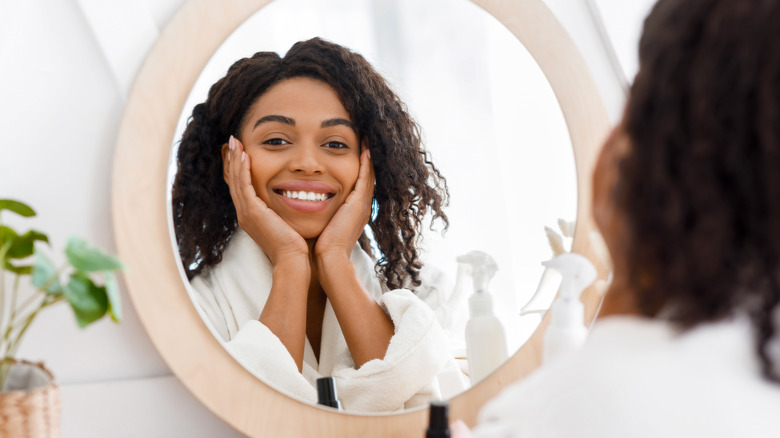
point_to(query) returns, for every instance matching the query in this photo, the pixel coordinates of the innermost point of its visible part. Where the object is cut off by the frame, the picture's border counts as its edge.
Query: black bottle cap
(326, 392)
(439, 423)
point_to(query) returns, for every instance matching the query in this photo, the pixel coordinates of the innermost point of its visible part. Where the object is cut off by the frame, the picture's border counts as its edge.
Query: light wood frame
(144, 243)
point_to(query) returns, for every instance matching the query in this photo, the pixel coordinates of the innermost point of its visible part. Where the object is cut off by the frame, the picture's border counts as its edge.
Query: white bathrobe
(232, 294)
(637, 377)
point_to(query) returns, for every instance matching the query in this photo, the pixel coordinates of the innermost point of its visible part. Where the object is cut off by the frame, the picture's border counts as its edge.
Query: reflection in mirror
(492, 127)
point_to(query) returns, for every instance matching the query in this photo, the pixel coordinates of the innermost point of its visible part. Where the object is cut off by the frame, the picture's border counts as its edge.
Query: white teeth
(305, 196)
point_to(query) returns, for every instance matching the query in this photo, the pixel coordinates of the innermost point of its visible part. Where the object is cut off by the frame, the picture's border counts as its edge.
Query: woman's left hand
(366, 328)
(344, 229)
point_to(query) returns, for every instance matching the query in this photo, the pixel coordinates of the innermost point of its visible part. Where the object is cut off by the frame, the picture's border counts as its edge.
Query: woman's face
(605, 179)
(611, 221)
(304, 152)
(606, 176)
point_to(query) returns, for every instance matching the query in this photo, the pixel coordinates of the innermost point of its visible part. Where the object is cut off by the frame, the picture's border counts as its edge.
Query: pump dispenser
(485, 337)
(567, 331)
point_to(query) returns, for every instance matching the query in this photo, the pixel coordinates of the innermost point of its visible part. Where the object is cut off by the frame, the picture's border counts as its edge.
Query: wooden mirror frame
(139, 206)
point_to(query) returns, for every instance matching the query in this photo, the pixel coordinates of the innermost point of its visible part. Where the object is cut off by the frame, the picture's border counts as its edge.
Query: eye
(335, 145)
(276, 142)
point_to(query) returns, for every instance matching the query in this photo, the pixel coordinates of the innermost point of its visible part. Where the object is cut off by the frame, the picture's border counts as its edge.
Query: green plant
(74, 281)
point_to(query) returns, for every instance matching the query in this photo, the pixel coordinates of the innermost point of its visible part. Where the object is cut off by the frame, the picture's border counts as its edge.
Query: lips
(305, 196)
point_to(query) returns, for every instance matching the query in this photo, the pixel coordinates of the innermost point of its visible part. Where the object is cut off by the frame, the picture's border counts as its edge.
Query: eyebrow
(274, 118)
(289, 121)
(338, 121)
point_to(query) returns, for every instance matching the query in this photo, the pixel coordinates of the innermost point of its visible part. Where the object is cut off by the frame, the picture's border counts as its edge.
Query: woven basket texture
(31, 413)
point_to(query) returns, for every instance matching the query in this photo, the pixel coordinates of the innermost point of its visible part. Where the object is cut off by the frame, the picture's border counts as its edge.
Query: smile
(305, 196)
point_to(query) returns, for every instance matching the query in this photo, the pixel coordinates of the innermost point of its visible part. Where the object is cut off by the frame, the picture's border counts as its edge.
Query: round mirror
(490, 121)
(144, 241)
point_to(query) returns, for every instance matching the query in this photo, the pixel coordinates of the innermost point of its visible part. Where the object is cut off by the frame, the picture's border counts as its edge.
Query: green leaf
(17, 207)
(114, 301)
(20, 246)
(85, 257)
(89, 302)
(19, 270)
(44, 275)
(7, 237)
(24, 245)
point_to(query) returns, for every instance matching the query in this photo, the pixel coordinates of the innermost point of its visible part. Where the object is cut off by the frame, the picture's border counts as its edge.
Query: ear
(225, 168)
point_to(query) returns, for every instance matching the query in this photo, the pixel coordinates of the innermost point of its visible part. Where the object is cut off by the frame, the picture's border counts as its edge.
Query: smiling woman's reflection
(280, 169)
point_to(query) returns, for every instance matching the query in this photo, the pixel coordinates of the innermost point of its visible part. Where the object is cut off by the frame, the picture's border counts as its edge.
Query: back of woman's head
(700, 186)
(408, 185)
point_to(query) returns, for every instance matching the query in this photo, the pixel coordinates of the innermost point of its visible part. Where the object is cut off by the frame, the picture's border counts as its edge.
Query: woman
(687, 196)
(280, 169)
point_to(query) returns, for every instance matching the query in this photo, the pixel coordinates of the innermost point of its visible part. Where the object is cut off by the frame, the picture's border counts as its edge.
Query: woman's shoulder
(240, 253)
(635, 371)
(235, 290)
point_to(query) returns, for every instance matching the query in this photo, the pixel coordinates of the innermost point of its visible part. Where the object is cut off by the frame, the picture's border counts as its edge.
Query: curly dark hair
(408, 185)
(700, 185)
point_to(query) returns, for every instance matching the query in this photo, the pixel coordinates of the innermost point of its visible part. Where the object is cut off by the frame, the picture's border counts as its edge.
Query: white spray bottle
(567, 331)
(455, 319)
(485, 337)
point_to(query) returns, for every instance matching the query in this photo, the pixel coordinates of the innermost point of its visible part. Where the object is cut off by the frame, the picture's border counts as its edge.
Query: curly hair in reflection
(408, 185)
(700, 186)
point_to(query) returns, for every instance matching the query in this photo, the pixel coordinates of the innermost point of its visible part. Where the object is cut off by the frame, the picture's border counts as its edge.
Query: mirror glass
(488, 117)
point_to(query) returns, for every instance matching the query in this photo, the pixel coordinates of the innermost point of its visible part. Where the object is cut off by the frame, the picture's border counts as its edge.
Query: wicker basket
(30, 402)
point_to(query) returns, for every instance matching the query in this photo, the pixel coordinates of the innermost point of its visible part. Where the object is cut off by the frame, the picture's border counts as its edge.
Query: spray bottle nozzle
(483, 267)
(577, 273)
(567, 331)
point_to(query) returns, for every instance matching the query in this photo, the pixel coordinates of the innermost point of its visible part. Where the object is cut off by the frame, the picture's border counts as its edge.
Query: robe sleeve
(263, 353)
(252, 344)
(406, 376)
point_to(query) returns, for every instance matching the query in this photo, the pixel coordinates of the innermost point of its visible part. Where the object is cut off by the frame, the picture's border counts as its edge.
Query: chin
(308, 231)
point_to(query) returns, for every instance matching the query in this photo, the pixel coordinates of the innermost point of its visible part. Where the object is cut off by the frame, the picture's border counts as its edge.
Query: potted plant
(29, 395)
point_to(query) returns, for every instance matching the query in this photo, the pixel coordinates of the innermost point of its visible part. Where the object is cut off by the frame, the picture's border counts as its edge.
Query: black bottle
(326, 392)
(439, 423)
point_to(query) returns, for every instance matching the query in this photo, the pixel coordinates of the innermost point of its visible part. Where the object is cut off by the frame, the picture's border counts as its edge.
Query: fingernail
(243, 156)
(369, 154)
(232, 143)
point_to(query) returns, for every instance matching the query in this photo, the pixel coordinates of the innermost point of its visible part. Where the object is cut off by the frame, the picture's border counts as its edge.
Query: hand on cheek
(367, 329)
(345, 227)
(276, 238)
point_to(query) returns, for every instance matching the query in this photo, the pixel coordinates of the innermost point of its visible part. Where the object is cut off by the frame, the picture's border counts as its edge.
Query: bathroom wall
(67, 67)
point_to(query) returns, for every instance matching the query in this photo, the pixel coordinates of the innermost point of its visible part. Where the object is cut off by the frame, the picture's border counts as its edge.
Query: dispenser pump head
(483, 268)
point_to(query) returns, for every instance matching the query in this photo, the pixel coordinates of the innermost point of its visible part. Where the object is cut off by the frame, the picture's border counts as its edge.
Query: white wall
(60, 108)
(66, 67)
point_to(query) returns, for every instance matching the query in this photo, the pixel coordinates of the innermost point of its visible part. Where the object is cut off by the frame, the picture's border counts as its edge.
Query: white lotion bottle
(567, 332)
(485, 338)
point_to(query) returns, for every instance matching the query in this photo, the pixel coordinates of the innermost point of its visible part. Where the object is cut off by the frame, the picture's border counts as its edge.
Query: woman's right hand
(274, 236)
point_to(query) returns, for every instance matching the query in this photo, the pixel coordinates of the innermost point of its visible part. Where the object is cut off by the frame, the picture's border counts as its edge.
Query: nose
(305, 159)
